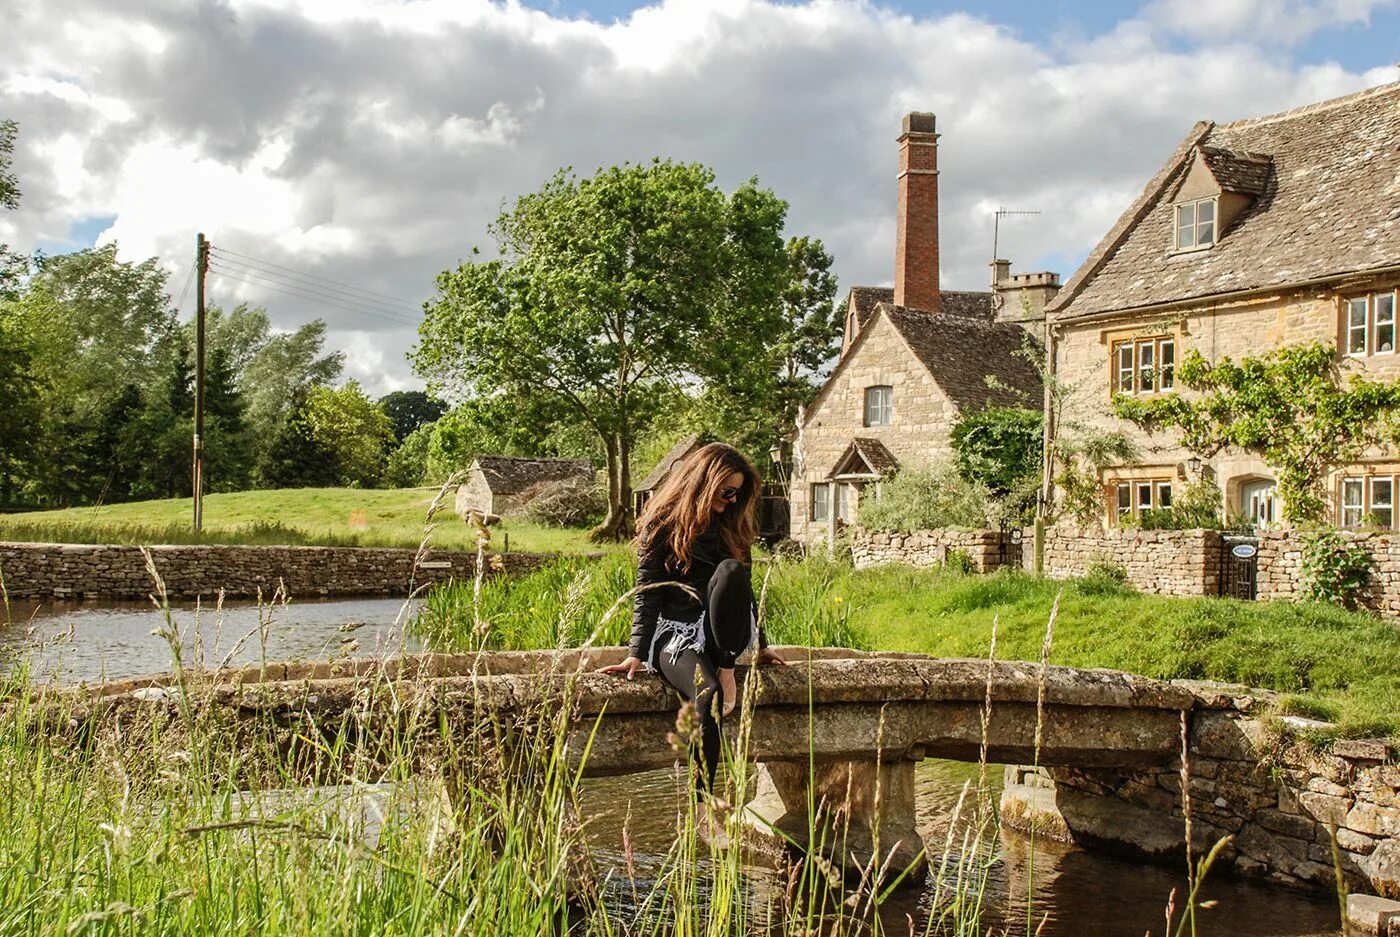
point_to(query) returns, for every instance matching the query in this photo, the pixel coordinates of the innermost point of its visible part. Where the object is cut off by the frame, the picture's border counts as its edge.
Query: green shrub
(999, 448)
(958, 561)
(1103, 578)
(926, 499)
(407, 465)
(1333, 569)
(1198, 505)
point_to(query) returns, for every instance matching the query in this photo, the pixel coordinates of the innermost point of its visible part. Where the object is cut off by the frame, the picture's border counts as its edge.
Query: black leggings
(728, 607)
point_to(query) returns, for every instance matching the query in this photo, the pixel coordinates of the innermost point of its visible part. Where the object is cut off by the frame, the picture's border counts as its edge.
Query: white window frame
(821, 502)
(1378, 324)
(1144, 356)
(1125, 375)
(1132, 490)
(1388, 505)
(1194, 227)
(1352, 510)
(843, 506)
(879, 405)
(1364, 327)
(1369, 328)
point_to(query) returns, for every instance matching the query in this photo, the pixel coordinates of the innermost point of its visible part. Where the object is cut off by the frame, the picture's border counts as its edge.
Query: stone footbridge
(850, 725)
(838, 727)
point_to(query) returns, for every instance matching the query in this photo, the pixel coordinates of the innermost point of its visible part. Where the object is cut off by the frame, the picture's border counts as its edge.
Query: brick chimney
(916, 239)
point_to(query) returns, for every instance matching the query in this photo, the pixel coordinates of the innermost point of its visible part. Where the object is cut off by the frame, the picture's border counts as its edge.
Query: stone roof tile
(511, 474)
(1332, 208)
(960, 352)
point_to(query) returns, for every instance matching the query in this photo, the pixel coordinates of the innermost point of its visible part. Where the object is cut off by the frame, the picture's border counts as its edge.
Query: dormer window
(1195, 224)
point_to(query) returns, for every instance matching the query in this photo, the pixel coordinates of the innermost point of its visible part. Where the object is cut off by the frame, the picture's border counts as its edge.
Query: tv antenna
(996, 226)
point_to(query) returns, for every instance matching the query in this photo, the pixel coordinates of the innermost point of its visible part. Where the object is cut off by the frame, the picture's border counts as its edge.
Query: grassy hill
(329, 516)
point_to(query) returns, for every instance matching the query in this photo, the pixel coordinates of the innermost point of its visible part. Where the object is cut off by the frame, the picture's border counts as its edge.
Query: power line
(185, 290)
(325, 299)
(267, 278)
(325, 282)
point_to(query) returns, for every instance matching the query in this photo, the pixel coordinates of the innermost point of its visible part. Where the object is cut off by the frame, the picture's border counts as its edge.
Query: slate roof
(510, 475)
(954, 302)
(959, 352)
(1330, 207)
(663, 468)
(1237, 171)
(866, 298)
(879, 458)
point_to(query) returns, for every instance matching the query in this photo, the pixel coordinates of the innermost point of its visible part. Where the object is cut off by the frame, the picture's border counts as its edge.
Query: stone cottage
(683, 447)
(500, 484)
(1255, 234)
(913, 357)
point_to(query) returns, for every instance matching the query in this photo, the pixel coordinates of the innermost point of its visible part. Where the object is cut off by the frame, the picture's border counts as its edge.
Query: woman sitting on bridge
(698, 530)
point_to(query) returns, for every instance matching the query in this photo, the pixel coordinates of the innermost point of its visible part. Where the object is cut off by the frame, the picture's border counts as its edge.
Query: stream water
(1085, 895)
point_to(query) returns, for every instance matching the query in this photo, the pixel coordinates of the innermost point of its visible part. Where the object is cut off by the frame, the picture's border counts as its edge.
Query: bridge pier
(858, 815)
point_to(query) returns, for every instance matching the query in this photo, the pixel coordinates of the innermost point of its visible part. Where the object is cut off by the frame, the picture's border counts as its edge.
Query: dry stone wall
(987, 550)
(1279, 802)
(1281, 560)
(1163, 562)
(79, 571)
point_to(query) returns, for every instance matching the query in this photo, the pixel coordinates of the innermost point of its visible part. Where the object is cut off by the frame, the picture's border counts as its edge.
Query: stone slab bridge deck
(848, 725)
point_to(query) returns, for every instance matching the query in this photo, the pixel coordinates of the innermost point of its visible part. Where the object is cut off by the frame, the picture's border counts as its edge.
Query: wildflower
(837, 599)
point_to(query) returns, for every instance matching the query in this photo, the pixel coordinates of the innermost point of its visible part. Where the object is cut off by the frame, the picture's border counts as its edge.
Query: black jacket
(655, 564)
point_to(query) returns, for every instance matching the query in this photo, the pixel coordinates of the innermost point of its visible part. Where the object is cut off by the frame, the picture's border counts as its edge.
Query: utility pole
(202, 269)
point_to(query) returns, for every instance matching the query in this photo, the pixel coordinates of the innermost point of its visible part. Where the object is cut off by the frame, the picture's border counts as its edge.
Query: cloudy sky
(343, 152)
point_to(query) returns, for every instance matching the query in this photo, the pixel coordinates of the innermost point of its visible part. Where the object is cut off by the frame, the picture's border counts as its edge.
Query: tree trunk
(618, 525)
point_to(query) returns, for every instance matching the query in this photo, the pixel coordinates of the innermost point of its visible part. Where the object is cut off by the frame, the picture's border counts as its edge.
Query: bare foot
(729, 688)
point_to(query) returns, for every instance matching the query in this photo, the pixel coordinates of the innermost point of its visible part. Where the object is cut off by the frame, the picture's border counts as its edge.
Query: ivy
(1288, 406)
(1333, 570)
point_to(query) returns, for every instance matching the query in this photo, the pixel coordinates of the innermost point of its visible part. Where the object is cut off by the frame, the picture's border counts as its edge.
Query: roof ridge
(1390, 87)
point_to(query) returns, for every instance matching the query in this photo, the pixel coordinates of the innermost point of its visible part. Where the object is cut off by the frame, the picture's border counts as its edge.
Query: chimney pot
(919, 122)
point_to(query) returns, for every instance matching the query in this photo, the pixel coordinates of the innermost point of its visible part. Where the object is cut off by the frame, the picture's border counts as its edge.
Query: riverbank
(352, 517)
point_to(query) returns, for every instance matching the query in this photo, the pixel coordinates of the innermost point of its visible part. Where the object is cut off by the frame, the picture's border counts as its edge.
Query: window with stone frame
(1145, 365)
(1195, 224)
(1368, 500)
(1129, 498)
(821, 502)
(1368, 324)
(879, 405)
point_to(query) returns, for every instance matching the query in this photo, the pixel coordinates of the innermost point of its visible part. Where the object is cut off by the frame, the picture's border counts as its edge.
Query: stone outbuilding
(684, 447)
(1253, 235)
(501, 484)
(914, 357)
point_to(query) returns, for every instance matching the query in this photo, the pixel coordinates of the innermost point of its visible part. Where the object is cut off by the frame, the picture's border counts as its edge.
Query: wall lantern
(775, 452)
(1193, 466)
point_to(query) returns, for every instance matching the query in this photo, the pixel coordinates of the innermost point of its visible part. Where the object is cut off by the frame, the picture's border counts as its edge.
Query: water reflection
(74, 641)
(1083, 895)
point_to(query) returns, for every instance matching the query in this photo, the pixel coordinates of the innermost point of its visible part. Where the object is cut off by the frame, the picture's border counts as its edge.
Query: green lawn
(1338, 665)
(393, 517)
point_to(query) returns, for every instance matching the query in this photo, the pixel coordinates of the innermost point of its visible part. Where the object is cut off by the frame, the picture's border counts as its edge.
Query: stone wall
(1278, 800)
(78, 571)
(987, 549)
(1164, 562)
(1281, 559)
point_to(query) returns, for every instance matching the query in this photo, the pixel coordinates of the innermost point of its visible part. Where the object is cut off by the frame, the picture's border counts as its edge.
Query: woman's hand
(631, 666)
(768, 656)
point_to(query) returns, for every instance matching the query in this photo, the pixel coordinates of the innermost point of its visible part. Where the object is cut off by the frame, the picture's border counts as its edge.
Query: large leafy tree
(1289, 405)
(407, 410)
(353, 428)
(12, 265)
(608, 290)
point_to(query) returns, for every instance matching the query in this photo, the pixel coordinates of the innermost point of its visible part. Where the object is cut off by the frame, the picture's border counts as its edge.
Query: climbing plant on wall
(1290, 406)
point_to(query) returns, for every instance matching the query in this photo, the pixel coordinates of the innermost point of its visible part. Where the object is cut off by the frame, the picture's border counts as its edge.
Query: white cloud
(370, 142)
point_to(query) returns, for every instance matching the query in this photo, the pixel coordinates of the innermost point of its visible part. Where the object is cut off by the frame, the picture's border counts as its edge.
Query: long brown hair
(684, 504)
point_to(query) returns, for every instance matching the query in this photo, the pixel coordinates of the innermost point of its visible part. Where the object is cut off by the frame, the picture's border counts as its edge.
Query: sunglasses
(729, 493)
